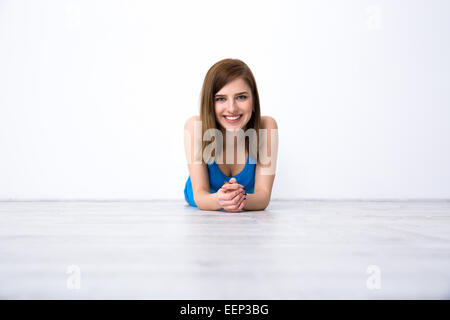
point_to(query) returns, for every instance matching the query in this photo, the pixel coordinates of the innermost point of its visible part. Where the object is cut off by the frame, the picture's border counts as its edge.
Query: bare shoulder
(189, 124)
(268, 122)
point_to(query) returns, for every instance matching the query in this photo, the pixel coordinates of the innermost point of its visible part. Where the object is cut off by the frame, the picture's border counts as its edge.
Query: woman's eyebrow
(222, 95)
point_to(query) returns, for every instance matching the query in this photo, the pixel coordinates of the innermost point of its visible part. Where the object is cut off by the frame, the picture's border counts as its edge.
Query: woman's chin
(233, 128)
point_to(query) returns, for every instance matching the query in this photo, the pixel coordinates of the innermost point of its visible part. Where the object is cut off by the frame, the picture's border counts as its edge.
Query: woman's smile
(233, 119)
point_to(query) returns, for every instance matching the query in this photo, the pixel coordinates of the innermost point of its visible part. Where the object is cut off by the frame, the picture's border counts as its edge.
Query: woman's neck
(236, 149)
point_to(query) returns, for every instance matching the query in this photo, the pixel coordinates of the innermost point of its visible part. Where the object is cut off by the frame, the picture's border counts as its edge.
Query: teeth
(232, 118)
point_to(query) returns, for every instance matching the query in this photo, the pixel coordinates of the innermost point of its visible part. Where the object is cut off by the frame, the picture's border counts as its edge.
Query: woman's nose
(232, 106)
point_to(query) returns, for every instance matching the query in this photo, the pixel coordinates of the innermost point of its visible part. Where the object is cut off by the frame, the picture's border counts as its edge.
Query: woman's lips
(233, 121)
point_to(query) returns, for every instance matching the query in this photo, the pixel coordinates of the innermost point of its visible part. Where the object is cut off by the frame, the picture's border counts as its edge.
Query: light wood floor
(167, 250)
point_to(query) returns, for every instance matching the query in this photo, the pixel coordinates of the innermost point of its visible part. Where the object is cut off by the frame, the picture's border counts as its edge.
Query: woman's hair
(216, 78)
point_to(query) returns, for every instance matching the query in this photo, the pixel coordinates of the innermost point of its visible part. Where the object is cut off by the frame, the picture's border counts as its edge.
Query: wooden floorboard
(168, 250)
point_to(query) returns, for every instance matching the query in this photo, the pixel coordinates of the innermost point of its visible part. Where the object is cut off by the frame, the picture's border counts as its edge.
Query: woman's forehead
(233, 87)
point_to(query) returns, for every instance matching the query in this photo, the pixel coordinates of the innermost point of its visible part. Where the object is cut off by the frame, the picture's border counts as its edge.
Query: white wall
(94, 94)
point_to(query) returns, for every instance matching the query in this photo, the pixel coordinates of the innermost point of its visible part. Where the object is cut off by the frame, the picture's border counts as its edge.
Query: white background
(94, 94)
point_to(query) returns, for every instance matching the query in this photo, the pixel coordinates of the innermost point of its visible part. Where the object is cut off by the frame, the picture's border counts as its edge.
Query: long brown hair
(218, 76)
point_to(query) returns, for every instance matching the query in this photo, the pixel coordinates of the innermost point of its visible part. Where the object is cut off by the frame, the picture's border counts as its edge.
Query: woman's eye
(223, 99)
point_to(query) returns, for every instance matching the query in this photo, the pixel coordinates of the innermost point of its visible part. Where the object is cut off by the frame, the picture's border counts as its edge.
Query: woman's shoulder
(191, 121)
(268, 122)
(193, 118)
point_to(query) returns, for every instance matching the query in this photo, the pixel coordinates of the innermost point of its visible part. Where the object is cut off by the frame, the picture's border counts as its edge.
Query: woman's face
(233, 105)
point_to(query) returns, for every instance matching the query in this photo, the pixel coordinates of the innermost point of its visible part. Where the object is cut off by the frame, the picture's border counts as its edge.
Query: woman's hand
(231, 196)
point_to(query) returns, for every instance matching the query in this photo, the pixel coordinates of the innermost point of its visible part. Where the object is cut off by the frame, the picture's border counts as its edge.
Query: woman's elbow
(202, 207)
(264, 206)
(265, 199)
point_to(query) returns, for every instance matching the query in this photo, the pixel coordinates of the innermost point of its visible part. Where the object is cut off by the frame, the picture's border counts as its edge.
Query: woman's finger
(231, 209)
(243, 203)
(234, 208)
(229, 195)
(231, 186)
(235, 201)
(225, 198)
(232, 193)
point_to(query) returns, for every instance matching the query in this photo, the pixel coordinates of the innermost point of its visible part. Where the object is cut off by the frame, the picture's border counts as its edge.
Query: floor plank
(168, 250)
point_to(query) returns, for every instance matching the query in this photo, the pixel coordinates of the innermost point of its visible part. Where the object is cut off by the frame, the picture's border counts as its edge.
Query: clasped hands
(231, 196)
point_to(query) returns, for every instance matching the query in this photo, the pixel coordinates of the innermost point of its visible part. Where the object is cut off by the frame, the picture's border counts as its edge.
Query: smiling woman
(230, 106)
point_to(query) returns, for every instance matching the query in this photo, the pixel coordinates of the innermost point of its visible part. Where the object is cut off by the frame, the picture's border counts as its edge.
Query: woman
(229, 107)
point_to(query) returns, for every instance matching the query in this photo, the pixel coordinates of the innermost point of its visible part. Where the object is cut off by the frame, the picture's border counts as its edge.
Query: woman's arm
(265, 170)
(204, 199)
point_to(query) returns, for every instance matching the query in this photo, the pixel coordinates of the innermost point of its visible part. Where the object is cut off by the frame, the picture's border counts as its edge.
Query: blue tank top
(217, 178)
